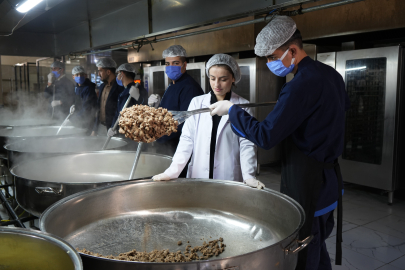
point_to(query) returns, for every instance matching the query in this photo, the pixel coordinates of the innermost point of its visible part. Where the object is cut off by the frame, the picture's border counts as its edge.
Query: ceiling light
(27, 5)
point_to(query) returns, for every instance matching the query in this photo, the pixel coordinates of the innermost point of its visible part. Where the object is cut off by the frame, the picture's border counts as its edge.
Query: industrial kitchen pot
(4, 123)
(9, 135)
(42, 182)
(259, 227)
(35, 250)
(28, 149)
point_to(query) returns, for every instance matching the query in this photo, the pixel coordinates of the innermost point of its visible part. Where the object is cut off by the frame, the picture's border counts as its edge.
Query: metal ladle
(72, 110)
(181, 116)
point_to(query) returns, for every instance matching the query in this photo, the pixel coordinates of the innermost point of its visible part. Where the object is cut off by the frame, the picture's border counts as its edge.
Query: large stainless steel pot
(26, 122)
(35, 250)
(28, 149)
(9, 135)
(42, 182)
(259, 227)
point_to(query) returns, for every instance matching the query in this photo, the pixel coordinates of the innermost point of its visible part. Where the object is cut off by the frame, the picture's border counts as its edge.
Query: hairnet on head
(277, 32)
(174, 51)
(57, 64)
(78, 69)
(106, 63)
(224, 59)
(126, 67)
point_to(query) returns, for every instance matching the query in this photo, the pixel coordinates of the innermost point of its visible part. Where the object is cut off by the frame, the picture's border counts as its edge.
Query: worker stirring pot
(308, 120)
(215, 151)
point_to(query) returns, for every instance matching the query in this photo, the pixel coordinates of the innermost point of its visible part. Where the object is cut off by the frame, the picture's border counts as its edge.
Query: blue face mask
(278, 68)
(174, 72)
(57, 75)
(80, 79)
(119, 81)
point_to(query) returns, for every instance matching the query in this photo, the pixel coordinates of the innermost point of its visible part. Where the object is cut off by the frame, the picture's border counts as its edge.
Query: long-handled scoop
(118, 119)
(181, 116)
(137, 155)
(72, 110)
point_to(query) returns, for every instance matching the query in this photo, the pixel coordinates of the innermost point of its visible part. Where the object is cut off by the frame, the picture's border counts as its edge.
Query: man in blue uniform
(60, 90)
(85, 100)
(139, 96)
(108, 97)
(180, 92)
(308, 121)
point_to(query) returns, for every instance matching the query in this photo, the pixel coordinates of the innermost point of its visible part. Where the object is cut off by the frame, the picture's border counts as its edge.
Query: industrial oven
(373, 153)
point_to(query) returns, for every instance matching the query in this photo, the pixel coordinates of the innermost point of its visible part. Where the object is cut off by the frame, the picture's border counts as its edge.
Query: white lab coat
(235, 157)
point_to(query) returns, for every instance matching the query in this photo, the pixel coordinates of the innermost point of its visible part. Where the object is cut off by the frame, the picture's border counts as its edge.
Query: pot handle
(301, 245)
(48, 190)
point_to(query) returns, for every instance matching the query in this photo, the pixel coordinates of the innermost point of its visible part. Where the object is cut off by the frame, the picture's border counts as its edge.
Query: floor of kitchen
(373, 231)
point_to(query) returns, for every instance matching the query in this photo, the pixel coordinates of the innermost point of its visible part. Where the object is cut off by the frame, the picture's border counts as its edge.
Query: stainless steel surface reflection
(43, 181)
(259, 227)
(28, 149)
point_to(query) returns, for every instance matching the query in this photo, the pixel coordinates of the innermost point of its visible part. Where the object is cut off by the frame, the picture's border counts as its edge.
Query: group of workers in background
(308, 121)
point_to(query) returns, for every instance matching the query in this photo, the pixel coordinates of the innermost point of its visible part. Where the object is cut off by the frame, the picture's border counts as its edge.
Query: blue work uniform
(65, 92)
(122, 98)
(177, 97)
(110, 106)
(308, 120)
(85, 105)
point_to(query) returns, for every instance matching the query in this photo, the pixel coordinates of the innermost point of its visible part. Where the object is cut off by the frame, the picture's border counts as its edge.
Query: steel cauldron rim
(51, 208)
(56, 240)
(7, 146)
(82, 153)
(82, 131)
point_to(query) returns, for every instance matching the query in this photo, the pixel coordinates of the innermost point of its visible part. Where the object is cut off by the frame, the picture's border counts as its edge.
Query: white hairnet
(173, 51)
(277, 32)
(57, 64)
(126, 67)
(78, 69)
(224, 59)
(106, 63)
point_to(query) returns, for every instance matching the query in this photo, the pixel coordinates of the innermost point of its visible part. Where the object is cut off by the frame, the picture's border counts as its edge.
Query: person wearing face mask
(85, 100)
(215, 151)
(139, 96)
(180, 92)
(308, 120)
(107, 101)
(59, 91)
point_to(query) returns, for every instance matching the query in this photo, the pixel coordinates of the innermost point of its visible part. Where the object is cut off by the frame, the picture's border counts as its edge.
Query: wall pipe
(266, 19)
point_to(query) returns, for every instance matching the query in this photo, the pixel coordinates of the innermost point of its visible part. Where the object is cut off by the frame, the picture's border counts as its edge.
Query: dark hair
(130, 75)
(295, 39)
(111, 69)
(226, 67)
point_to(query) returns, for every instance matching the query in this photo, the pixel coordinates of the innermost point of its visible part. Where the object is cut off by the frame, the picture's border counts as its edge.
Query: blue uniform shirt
(311, 108)
(85, 104)
(177, 97)
(122, 98)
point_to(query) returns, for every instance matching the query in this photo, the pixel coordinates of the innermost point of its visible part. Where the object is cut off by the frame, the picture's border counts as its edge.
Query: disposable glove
(154, 100)
(111, 132)
(254, 183)
(134, 92)
(72, 109)
(220, 108)
(161, 177)
(56, 103)
(51, 78)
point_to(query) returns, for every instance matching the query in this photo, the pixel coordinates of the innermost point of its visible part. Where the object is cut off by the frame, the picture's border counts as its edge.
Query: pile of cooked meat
(142, 123)
(204, 252)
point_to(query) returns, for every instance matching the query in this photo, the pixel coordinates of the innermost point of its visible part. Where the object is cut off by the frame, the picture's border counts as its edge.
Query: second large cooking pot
(28, 149)
(9, 135)
(42, 182)
(258, 227)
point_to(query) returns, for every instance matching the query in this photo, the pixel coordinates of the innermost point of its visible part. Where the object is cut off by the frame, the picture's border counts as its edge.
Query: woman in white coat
(215, 151)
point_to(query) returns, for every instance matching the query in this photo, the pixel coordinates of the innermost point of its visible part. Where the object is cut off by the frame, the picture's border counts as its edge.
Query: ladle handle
(137, 155)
